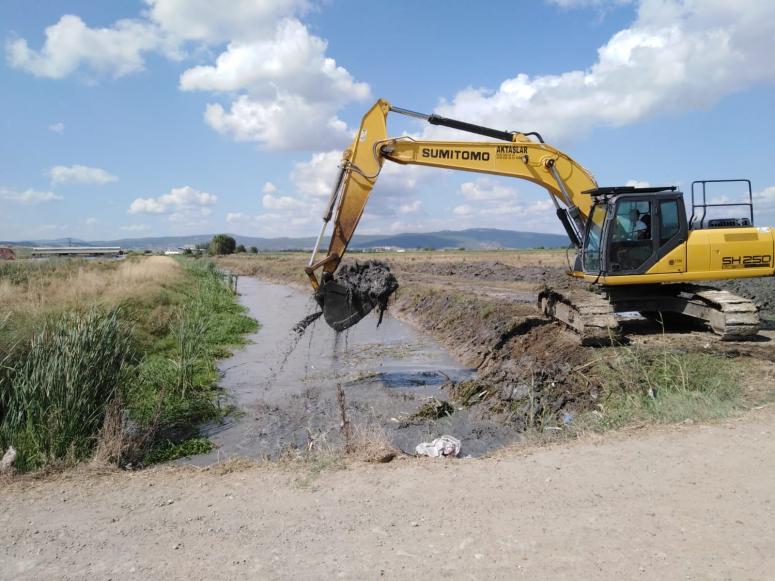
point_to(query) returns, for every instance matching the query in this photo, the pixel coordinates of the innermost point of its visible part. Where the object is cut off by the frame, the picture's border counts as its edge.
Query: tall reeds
(56, 389)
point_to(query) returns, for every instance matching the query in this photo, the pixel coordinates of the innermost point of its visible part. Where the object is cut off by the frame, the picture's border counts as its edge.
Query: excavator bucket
(355, 291)
(341, 309)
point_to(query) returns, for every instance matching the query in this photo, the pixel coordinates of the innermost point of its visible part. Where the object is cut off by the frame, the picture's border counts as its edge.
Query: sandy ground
(686, 502)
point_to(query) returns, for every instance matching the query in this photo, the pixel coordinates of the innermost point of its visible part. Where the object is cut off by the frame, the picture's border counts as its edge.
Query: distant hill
(471, 239)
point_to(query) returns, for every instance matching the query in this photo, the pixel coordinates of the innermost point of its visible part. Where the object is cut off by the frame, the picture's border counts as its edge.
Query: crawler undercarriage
(593, 314)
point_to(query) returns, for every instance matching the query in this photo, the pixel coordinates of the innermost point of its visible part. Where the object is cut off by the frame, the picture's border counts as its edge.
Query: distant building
(77, 251)
(384, 249)
(172, 252)
(7, 254)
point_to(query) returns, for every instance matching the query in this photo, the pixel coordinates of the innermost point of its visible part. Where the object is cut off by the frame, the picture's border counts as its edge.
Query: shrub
(54, 398)
(222, 244)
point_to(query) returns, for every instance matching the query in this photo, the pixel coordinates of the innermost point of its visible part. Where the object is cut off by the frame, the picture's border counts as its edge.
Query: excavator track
(589, 314)
(731, 317)
(593, 315)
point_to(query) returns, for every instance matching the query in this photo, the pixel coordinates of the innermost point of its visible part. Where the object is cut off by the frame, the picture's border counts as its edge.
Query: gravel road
(686, 502)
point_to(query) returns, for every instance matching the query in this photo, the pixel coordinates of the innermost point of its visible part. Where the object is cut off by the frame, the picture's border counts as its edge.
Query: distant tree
(241, 249)
(187, 251)
(222, 244)
(253, 250)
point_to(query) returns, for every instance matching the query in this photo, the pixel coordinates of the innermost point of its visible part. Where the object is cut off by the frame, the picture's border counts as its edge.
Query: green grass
(154, 353)
(665, 386)
(175, 388)
(54, 398)
(165, 451)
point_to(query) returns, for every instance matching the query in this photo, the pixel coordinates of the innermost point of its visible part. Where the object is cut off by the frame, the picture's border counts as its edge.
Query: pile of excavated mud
(760, 290)
(529, 369)
(489, 270)
(541, 374)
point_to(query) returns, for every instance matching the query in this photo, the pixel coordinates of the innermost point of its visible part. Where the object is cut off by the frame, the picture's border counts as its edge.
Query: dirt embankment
(530, 370)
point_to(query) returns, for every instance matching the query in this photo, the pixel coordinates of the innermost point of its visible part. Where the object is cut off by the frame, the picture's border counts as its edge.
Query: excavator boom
(538, 162)
(632, 241)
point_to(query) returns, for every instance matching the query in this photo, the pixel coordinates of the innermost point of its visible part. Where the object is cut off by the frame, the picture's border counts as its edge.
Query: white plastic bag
(444, 446)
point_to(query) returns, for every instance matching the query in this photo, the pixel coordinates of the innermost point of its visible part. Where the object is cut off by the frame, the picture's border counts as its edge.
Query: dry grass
(371, 443)
(76, 284)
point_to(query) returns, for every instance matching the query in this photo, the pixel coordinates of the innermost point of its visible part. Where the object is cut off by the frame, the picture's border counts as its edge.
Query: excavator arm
(514, 155)
(633, 269)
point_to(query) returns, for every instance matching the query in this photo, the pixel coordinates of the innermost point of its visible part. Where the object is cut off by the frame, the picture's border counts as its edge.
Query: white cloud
(289, 122)
(291, 90)
(412, 207)
(269, 188)
(464, 210)
(275, 223)
(91, 221)
(765, 198)
(395, 194)
(28, 197)
(637, 184)
(284, 90)
(236, 217)
(486, 189)
(80, 174)
(71, 45)
(212, 22)
(271, 202)
(495, 203)
(177, 201)
(292, 61)
(135, 228)
(120, 49)
(678, 55)
(58, 127)
(531, 216)
(316, 176)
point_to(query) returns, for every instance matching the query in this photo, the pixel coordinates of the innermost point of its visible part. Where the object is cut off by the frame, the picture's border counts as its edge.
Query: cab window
(668, 220)
(632, 222)
(631, 235)
(592, 243)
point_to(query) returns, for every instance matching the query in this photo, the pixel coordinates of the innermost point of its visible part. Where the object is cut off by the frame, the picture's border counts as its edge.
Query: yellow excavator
(636, 246)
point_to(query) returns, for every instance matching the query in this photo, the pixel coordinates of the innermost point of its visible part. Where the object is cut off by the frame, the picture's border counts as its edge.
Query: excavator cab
(630, 229)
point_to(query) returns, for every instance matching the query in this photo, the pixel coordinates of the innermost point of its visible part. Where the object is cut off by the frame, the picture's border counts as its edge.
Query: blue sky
(157, 117)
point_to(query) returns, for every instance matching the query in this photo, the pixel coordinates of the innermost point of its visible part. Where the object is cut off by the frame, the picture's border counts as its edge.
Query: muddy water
(287, 397)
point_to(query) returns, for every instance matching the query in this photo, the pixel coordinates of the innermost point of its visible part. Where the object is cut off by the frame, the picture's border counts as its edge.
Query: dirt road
(689, 502)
